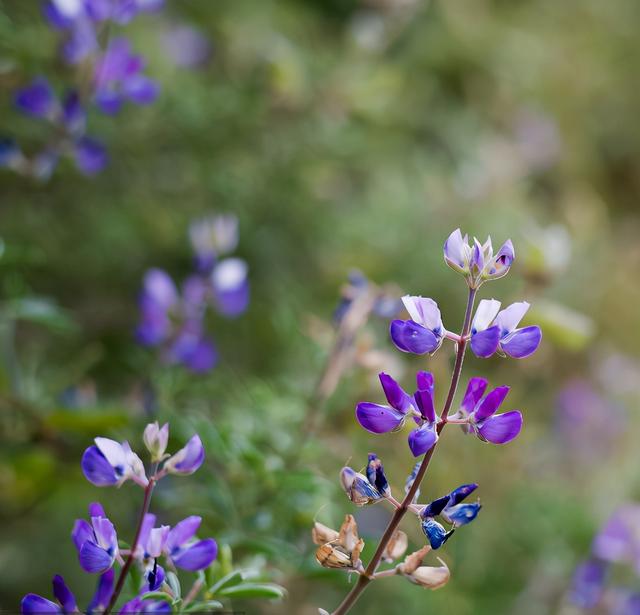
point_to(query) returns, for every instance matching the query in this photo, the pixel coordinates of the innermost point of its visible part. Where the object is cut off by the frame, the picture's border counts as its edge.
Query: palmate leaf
(254, 590)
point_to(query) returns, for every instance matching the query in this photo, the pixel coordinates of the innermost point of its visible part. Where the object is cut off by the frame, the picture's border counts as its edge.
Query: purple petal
(501, 428)
(155, 577)
(97, 469)
(461, 493)
(490, 403)
(522, 342)
(73, 114)
(108, 100)
(394, 393)
(588, 584)
(183, 532)
(197, 556)
(63, 595)
(140, 89)
(230, 286)
(485, 343)
(148, 522)
(155, 324)
(94, 558)
(378, 419)
(153, 607)
(104, 589)
(37, 99)
(202, 357)
(425, 381)
(159, 286)
(81, 532)
(424, 402)
(81, 43)
(90, 156)
(475, 391)
(32, 604)
(96, 510)
(105, 533)
(502, 261)
(409, 336)
(422, 439)
(188, 459)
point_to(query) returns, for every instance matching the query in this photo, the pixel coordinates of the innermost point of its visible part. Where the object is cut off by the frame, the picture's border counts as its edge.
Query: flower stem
(127, 565)
(368, 575)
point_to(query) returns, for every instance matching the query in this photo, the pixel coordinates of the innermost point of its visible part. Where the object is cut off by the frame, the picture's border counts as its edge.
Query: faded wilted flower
(396, 547)
(343, 552)
(429, 577)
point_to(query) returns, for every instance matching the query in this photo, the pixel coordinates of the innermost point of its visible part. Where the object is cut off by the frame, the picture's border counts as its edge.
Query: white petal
(229, 274)
(485, 313)
(113, 451)
(509, 318)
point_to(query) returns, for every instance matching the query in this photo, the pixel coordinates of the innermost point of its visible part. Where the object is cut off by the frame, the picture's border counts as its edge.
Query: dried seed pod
(344, 551)
(430, 577)
(321, 534)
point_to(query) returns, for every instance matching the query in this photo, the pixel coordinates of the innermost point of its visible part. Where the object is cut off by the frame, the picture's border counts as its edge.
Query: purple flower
(498, 429)
(158, 300)
(230, 285)
(382, 419)
(493, 331)
(424, 332)
(96, 542)
(188, 459)
(588, 584)
(187, 46)
(32, 604)
(212, 237)
(37, 99)
(619, 540)
(90, 156)
(118, 77)
(452, 510)
(477, 263)
(424, 438)
(110, 463)
(185, 551)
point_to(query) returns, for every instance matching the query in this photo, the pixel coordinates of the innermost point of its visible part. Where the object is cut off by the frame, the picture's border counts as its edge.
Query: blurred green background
(342, 133)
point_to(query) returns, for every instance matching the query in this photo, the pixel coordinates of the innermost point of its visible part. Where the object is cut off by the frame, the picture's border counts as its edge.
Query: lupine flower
(156, 439)
(449, 507)
(358, 487)
(493, 331)
(33, 604)
(344, 551)
(96, 542)
(212, 237)
(424, 438)
(37, 99)
(110, 463)
(481, 413)
(188, 459)
(422, 334)
(382, 419)
(619, 539)
(588, 584)
(187, 552)
(376, 475)
(429, 577)
(118, 77)
(139, 606)
(478, 263)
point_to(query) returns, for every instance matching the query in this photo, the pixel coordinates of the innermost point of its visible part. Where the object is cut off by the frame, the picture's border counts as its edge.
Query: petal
(424, 311)
(188, 459)
(90, 156)
(501, 263)
(461, 514)
(435, 508)
(63, 595)
(32, 604)
(37, 99)
(157, 540)
(183, 532)
(409, 336)
(202, 358)
(435, 532)
(490, 403)
(97, 469)
(159, 286)
(424, 402)
(485, 343)
(501, 428)
(108, 101)
(113, 451)
(378, 419)
(231, 286)
(462, 492)
(486, 312)
(376, 475)
(425, 381)
(94, 558)
(394, 393)
(475, 391)
(422, 439)
(155, 577)
(509, 318)
(477, 256)
(105, 533)
(522, 342)
(588, 584)
(81, 532)
(104, 590)
(454, 250)
(140, 89)
(96, 510)
(148, 522)
(197, 556)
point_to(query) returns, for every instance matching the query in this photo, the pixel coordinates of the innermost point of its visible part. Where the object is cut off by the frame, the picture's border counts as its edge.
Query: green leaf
(157, 596)
(41, 311)
(203, 606)
(233, 578)
(174, 583)
(254, 590)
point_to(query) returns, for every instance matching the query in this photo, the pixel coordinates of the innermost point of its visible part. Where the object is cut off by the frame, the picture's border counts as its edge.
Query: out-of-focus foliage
(343, 134)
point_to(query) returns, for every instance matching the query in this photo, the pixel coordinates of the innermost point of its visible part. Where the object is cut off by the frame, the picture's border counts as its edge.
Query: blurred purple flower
(187, 46)
(422, 334)
(37, 99)
(96, 542)
(619, 539)
(118, 77)
(588, 584)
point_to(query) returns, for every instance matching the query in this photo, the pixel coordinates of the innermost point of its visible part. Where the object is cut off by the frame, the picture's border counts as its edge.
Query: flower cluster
(175, 321)
(489, 331)
(110, 463)
(616, 544)
(116, 75)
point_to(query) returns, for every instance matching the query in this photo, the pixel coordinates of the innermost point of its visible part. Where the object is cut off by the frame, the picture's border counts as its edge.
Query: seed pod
(396, 547)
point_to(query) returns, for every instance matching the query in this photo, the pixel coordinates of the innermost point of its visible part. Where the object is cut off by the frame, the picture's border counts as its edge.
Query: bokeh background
(343, 134)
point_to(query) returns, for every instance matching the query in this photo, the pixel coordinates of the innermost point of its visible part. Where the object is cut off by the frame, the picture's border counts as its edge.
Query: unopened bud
(156, 439)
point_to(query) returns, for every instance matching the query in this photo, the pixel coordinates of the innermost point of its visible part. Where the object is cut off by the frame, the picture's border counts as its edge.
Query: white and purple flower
(188, 459)
(96, 542)
(424, 332)
(110, 463)
(185, 550)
